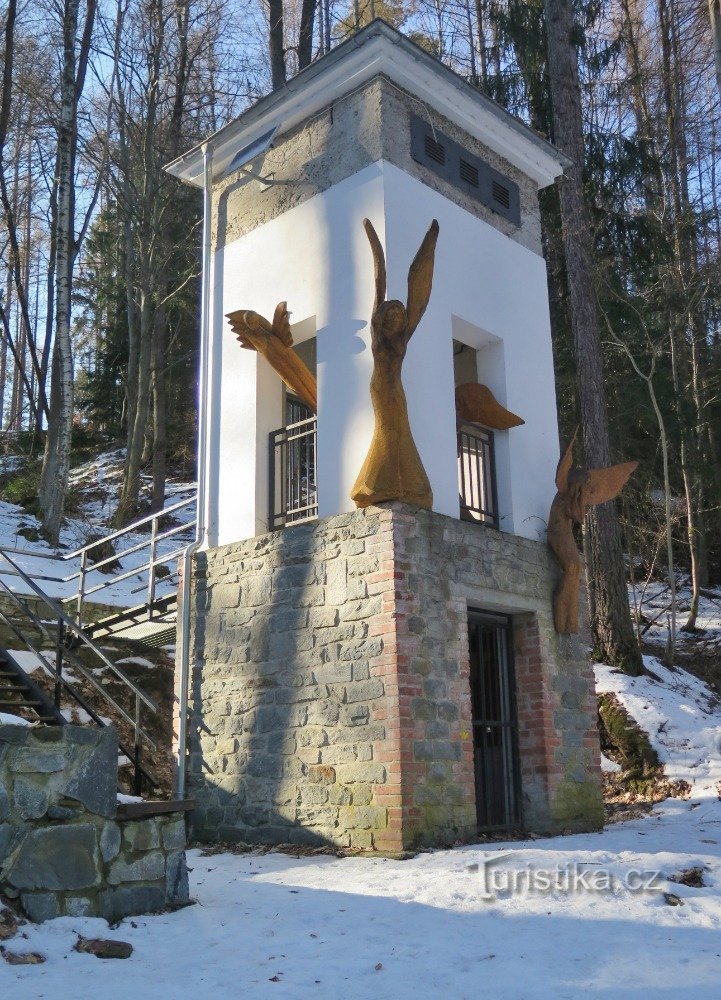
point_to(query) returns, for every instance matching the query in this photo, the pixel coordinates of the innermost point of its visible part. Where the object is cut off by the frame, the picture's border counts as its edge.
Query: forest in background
(100, 249)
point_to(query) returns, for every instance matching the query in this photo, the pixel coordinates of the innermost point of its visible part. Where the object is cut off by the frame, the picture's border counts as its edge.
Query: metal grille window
(293, 487)
(476, 475)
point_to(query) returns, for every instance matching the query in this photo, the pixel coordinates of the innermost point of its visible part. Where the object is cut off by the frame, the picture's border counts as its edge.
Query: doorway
(495, 742)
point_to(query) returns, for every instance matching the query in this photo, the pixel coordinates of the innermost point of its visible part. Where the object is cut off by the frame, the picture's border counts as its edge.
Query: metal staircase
(19, 693)
(63, 632)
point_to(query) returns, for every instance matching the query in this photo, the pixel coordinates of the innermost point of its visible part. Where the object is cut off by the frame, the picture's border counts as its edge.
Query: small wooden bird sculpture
(275, 342)
(578, 489)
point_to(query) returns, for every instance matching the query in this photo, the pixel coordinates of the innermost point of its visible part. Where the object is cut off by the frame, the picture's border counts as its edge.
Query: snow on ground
(653, 599)
(610, 766)
(463, 923)
(29, 661)
(681, 716)
(323, 927)
(13, 720)
(97, 485)
(139, 661)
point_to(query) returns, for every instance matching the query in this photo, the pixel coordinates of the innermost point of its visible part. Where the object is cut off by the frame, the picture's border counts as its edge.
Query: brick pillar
(558, 744)
(385, 710)
(537, 738)
(426, 710)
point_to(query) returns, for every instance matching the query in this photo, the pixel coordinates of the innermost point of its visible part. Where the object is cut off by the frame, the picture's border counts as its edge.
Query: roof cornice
(378, 50)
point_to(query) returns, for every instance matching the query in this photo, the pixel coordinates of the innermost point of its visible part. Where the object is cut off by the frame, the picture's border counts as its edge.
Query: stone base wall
(330, 689)
(63, 849)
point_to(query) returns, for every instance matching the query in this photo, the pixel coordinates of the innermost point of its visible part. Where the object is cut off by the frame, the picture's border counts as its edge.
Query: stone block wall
(452, 566)
(63, 848)
(330, 689)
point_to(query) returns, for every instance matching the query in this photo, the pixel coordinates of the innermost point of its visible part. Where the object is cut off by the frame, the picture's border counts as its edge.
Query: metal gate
(494, 721)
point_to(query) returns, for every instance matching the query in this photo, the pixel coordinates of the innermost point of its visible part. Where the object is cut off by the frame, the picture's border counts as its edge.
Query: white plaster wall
(486, 288)
(316, 256)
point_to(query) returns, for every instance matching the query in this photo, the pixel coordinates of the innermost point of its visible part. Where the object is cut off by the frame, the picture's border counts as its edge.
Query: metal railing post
(59, 646)
(151, 573)
(137, 777)
(81, 587)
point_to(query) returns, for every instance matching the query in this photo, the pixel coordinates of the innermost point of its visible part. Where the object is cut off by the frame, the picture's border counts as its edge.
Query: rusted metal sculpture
(577, 490)
(476, 404)
(275, 342)
(393, 469)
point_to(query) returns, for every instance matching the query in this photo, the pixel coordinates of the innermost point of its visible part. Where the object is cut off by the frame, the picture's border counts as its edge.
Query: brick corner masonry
(330, 691)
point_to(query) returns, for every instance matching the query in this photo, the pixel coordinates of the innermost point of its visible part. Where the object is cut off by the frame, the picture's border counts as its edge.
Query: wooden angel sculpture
(275, 342)
(393, 469)
(577, 490)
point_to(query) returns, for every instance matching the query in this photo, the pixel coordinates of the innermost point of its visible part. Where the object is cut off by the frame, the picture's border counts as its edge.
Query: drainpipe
(201, 527)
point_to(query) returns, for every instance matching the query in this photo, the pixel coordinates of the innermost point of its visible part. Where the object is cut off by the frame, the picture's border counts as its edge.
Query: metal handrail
(80, 595)
(65, 556)
(77, 665)
(68, 623)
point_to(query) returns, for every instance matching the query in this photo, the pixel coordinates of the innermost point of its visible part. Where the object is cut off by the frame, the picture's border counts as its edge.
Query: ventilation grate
(435, 150)
(461, 168)
(501, 194)
(469, 173)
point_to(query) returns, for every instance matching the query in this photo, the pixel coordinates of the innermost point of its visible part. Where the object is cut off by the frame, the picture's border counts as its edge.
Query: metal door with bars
(494, 721)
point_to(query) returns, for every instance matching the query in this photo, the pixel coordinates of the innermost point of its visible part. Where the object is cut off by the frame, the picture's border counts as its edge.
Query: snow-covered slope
(681, 716)
(96, 489)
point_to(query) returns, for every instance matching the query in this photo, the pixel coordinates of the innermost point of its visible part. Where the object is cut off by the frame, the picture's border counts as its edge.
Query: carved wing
(605, 484)
(420, 278)
(564, 465)
(245, 324)
(477, 404)
(281, 324)
(379, 261)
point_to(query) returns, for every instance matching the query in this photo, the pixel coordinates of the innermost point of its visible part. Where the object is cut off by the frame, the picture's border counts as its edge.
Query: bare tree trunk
(482, 50)
(276, 42)
(8, 211)
(305, 35)
(159, 409)
(688, 331)
(56, 461)
(148, 237)
(611, 619)
(714, 10)
(4, 354)
(19, 367)
(127, 507)
(50, 296)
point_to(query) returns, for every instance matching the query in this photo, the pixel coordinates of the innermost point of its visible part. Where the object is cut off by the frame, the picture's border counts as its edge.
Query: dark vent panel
(435, 150)
(501, 194)
(465, 171)
(469, 173)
